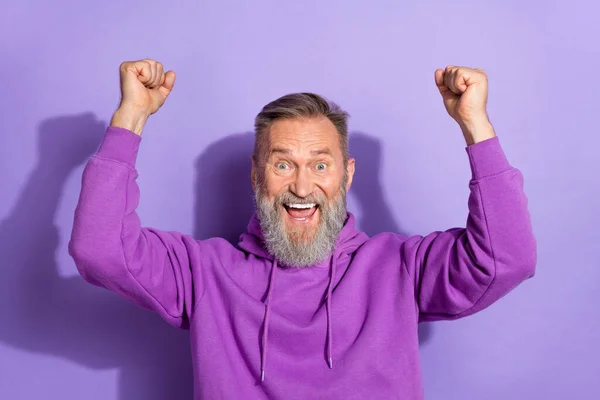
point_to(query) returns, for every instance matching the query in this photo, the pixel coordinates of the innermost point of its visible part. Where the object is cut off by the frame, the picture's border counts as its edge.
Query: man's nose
(302, 185)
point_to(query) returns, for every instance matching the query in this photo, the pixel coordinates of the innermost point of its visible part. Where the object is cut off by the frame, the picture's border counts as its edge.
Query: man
(305, 306)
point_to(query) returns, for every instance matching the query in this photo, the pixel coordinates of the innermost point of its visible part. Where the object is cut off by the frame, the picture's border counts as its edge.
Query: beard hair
(301, 246)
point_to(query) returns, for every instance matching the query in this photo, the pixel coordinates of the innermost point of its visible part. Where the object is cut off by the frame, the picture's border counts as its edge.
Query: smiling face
(300, 183)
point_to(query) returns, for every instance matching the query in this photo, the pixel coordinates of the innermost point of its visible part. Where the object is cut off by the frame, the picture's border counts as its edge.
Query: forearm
(461, 271)
(477, 131)
(111, 249)
(129, 118)
(107, 203)
(499, 235)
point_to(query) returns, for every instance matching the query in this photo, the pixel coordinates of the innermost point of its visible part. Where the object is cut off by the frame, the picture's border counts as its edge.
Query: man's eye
(321, 167)
(281, 166)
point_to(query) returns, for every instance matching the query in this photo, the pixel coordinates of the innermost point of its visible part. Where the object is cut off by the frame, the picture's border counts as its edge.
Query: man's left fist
(464, 91)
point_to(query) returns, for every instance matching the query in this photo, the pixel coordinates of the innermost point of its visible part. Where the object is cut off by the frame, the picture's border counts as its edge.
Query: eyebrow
(280, 151)
(317, 152)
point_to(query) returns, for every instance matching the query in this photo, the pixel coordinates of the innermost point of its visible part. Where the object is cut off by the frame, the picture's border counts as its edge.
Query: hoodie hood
(349, 239)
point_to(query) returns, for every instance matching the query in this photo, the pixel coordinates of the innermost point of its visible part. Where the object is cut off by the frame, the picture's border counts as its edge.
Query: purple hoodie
(343, 329)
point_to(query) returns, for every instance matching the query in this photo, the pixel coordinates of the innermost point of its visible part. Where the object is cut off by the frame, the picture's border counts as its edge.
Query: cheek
(330, 186)
(274, 186)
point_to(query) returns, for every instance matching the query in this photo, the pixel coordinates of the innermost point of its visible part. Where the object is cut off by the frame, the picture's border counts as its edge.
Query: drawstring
(263, 355)
(328, 306)
(265, 335)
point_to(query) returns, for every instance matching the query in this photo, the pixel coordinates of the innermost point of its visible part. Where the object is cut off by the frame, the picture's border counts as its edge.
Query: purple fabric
(383, 286)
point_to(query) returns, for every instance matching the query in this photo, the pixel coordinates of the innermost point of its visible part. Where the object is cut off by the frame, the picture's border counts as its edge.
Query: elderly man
(305, 306)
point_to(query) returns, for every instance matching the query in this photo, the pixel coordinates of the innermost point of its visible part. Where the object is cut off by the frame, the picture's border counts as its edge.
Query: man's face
(300, 184)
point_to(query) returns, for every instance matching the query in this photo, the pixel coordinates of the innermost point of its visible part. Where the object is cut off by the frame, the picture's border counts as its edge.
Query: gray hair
(300, 105)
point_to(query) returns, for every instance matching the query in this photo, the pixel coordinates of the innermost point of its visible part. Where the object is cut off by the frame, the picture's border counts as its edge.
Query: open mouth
(301, 212)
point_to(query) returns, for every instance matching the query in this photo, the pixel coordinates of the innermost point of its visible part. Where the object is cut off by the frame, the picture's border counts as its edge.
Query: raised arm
(147, 266)
(463, 270)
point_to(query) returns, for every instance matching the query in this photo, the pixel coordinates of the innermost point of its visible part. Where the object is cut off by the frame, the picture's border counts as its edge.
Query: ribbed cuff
(120, 144)
(487, 158)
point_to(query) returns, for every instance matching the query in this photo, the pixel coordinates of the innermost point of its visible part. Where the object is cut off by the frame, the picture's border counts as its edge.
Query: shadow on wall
(69, 318)
(224, 197)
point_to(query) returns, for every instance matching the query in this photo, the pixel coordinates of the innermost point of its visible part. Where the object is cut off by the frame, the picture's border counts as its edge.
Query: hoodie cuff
(121, 145)
(487, 158)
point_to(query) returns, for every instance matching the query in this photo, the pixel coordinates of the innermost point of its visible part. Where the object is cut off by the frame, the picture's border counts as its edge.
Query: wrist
(476, 131)
(130, 118)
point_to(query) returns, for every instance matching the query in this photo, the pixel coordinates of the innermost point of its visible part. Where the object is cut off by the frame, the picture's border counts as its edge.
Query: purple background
(62, 338)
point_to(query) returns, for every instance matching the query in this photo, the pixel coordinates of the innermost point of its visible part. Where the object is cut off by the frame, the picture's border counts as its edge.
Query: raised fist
(464, 91)
(144, 85)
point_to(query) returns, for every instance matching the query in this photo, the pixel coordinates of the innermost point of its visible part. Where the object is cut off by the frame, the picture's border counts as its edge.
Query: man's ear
(350, 172)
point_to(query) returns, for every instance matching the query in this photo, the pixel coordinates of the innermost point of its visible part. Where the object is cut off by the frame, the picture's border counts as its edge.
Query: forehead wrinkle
(289, 146)
(303, 153)
(302, 137)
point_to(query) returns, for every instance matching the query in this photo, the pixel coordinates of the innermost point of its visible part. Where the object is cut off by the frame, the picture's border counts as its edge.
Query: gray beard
(301, 247)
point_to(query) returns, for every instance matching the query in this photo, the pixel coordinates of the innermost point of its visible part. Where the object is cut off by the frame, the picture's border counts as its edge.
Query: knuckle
(144, 64)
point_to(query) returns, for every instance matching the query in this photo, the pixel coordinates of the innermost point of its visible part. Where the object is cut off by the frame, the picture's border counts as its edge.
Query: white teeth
(309, 205)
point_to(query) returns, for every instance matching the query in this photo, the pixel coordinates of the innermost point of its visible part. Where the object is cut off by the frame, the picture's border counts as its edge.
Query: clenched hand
(464, 91)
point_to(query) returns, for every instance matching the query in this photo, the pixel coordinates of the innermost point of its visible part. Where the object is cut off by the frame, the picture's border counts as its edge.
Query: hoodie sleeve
(149, 267)
(461, 271)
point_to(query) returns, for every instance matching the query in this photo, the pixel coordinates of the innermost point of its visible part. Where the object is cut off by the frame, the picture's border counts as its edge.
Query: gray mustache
(291, 198)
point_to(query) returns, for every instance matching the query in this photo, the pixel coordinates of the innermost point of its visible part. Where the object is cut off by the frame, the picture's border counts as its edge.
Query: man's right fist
(144, 85)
